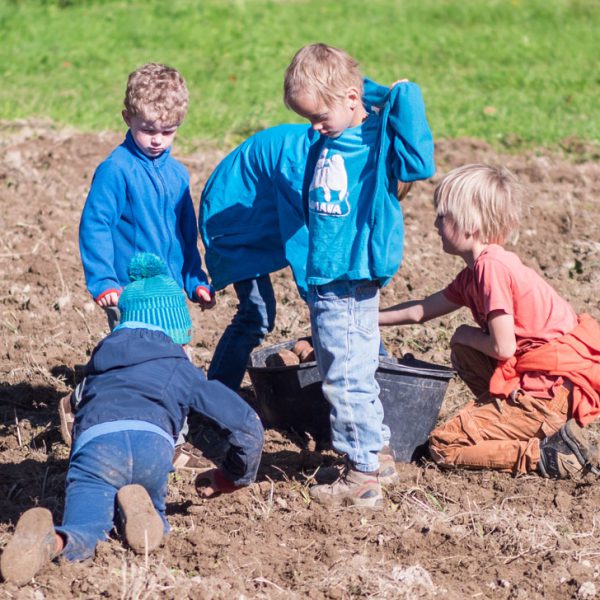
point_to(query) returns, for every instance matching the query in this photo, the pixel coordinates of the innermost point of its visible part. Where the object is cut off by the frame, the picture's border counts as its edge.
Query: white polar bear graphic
(330, 175)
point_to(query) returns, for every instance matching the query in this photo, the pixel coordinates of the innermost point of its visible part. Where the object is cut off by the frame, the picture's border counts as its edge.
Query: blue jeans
(255, 317)
(345, 332)
(96, 473)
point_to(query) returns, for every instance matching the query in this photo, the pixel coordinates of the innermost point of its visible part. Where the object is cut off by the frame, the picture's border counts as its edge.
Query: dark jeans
(255, 317)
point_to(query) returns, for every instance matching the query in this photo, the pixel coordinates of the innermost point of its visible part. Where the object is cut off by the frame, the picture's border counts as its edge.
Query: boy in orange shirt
(532, 363)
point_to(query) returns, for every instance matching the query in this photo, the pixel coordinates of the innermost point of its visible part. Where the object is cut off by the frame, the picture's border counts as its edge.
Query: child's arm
(500, 343)
(417, 311)
(100, 213)
(238, 423)
(195, 280)
(412, 144)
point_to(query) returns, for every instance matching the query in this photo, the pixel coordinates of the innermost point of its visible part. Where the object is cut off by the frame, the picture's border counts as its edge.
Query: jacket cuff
(106, 292)
(206, 287)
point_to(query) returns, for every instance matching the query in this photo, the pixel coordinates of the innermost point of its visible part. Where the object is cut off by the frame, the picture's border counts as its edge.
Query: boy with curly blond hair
(140, 199)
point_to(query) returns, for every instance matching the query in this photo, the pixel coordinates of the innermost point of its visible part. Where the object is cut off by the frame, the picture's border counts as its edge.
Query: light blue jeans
(345, 331)
(255, 317)
(97, 471)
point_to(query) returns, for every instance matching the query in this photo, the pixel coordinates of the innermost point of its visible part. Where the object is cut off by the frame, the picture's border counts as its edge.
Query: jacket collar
(130, 144)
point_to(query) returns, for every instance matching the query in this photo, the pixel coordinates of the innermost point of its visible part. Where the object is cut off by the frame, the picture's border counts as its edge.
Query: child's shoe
(30, 548)
(354, 488)
(189, 458)
(67, 418)
(568, 453)
(142, 526)
(387, 470)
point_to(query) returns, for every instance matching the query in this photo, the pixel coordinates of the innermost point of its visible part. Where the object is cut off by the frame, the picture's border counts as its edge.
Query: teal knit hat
(153, 297)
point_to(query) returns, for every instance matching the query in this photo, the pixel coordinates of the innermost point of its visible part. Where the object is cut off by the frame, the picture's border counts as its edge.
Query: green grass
(521, 73)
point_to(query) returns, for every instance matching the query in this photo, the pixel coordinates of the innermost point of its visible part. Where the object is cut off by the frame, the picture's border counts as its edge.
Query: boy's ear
(126, 117)
(354, 97)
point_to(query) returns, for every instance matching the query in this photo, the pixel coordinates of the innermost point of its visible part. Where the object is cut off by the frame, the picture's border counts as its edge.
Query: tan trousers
(495, 433)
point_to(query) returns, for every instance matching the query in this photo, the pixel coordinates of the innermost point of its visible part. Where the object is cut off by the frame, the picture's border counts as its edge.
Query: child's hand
(397, 82)
(206, 299)
(108, 299)
(212, 483)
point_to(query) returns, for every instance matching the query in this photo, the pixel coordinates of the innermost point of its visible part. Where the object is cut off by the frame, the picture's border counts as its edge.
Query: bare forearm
(474, 337)
(403, 314)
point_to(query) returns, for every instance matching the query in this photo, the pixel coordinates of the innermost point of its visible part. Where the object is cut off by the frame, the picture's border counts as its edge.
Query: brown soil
(442, 534)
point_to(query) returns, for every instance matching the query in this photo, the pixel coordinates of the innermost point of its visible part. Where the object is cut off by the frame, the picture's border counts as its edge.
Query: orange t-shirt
(500, 281)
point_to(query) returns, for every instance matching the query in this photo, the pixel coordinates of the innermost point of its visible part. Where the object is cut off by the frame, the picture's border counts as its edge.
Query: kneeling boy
(139, 387)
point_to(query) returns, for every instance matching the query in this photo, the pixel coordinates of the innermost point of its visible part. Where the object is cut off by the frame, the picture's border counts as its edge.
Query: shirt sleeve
(455, 292)
(496, 285)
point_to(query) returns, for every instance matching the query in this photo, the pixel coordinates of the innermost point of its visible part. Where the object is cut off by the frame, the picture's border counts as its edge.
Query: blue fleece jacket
(251, 218)
(354, 217)
(139, 204)
(141, 375)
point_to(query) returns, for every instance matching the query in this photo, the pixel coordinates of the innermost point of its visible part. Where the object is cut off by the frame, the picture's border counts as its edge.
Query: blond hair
(157, 92)
(481, 199)
(324, 72)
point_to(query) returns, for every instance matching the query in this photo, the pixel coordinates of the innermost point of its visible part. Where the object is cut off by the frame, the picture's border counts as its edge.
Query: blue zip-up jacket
(251, 219)
(139, 204)
(142, 375)
(355, 220)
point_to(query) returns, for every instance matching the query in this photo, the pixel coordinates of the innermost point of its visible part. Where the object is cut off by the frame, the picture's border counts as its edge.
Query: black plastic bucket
(412, 392)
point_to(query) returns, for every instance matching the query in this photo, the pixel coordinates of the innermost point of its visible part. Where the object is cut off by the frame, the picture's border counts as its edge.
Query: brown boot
(30, 548)
(387, 470)
(353, 488)
(142, 526)
(570, 452)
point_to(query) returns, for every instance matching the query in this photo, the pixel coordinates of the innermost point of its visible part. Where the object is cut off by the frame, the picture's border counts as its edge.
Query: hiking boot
(568, 453)
(352, 489)
(387, 470)
(142, 526)
(30, 548)
(67, 419)
(189, 458)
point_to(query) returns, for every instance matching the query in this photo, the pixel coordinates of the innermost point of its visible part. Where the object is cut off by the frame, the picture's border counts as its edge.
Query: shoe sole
(142, 526)
(184, 459)
(578, 441)
(30, 548)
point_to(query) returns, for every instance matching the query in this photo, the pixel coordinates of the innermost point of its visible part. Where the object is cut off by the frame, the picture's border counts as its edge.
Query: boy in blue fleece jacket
(355, 243)
(140, 199)
(139, 388)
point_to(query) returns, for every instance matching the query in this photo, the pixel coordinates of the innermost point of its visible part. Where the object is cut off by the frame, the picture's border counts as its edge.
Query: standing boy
(252, 223)
(355, 243)
(531, 362)
(139, 387)
(140, 199)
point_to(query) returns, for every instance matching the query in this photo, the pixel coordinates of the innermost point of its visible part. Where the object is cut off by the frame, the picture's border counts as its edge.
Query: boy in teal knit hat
(139, 388)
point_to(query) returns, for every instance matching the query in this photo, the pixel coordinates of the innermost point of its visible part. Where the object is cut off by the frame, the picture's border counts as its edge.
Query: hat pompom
(145, 265)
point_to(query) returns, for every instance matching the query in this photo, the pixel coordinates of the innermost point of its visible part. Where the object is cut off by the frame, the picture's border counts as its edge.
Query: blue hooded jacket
(251, 218)
(139, 204)
(138, 374)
